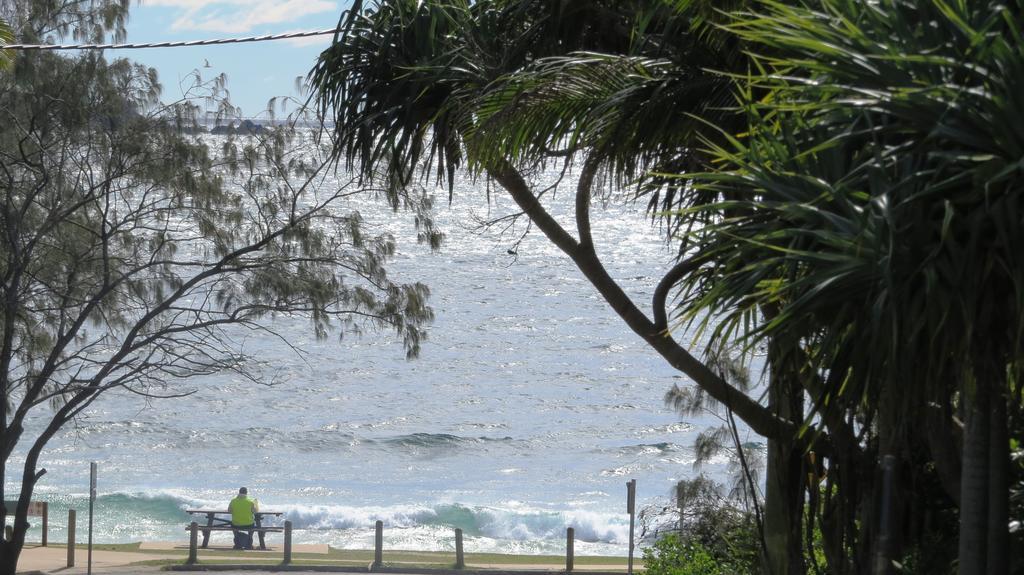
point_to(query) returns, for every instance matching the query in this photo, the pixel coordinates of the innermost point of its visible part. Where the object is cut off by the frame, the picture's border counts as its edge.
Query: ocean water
(530, 407)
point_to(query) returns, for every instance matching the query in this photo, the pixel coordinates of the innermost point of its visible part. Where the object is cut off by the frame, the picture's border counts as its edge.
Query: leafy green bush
(722, 527)
(672, 556)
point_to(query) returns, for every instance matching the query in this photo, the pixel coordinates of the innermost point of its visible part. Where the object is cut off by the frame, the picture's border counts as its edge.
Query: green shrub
(672, 556)
(720, 527)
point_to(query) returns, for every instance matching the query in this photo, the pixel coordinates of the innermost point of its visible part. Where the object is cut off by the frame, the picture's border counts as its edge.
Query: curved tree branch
(757, 416)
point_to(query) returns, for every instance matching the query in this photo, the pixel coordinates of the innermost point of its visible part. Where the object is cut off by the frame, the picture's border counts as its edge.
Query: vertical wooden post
(378, 545)
(193, 540)
(71, 537)
(46, 520)
(287, 542)
(460, 558)
(569, 540)
(631, 509)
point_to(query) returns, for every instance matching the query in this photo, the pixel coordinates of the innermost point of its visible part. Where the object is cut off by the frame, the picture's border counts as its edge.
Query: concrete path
(53, 561)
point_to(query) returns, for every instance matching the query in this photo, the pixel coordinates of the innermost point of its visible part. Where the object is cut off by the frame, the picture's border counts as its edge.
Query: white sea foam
(514, 523)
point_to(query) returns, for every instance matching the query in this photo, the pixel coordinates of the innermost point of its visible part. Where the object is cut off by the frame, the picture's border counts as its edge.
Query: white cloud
(240, 16)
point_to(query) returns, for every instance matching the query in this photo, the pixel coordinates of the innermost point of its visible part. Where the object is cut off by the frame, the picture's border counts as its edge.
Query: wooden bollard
(460, 558)
(46, 521)
(378, 545)
(71, 537)
(569, 540)
(193, 541)
(287, 543)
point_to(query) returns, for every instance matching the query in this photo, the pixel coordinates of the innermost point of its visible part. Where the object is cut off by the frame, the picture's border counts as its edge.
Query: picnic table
(220, 520)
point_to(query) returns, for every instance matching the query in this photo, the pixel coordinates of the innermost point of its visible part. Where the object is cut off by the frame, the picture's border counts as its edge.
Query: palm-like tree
(504, 87)
(6, 37)
(862, 140)
(876, 205)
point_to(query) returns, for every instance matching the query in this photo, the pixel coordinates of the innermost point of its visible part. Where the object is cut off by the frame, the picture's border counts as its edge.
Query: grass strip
(360, 558)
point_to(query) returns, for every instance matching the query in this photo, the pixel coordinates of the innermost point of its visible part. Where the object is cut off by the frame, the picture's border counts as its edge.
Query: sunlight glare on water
(529, 408)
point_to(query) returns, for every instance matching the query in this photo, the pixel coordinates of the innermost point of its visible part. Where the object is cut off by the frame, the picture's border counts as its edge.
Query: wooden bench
(261, 531)
(219, 520)
(254, 529)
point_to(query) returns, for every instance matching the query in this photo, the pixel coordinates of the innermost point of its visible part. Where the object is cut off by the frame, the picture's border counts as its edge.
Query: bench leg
(206, 532)
(259, 525)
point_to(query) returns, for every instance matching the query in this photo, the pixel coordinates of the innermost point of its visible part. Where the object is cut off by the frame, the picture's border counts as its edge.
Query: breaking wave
(163, 513)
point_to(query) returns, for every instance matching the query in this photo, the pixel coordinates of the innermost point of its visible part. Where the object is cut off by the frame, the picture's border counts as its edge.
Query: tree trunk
(998, 486)
(975, 483)
(783, 506)
(10, 550)
(888, 507)
(942, 444)
(784, 476)
(3, 480)
(9, 557)
(845, 492)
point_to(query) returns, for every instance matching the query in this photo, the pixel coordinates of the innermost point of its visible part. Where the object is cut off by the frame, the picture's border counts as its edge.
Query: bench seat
(230, 528)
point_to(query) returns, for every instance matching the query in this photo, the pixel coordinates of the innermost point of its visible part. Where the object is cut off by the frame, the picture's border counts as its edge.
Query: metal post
(569, 540)
(460, 559)
(287, 542)
(71, 537)
(631, 509)
(378, 545)
(193, 539)
(92, 500)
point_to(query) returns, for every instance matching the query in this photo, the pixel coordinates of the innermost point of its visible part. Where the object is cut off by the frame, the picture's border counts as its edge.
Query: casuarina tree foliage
(134, 258)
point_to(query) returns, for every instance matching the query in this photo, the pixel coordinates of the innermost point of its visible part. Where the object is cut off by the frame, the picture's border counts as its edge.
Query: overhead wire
(178, 44)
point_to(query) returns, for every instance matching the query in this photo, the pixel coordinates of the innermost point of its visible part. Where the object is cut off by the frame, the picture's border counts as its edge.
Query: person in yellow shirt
(243, 517)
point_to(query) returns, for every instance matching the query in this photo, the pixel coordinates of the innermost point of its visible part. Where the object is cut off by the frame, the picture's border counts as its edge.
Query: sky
(257, 71)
